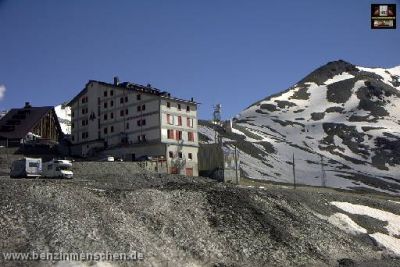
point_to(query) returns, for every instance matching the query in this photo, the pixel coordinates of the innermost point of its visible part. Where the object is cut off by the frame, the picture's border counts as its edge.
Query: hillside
(182, 221)
(341, 120)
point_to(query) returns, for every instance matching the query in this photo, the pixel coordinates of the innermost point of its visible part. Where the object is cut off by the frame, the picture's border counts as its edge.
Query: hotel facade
(133, 122)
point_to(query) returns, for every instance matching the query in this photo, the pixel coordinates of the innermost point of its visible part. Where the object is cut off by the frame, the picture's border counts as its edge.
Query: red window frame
(178, 135)
(191, 136)
(170, 134)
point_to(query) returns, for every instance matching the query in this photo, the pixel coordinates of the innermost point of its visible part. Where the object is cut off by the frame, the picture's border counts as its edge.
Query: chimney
(27, 105)
(149, 85)
(191, 99)
(116, 80)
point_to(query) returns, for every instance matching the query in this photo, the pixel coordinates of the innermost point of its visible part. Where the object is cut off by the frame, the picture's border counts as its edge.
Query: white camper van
(57, 169)
(26, 167)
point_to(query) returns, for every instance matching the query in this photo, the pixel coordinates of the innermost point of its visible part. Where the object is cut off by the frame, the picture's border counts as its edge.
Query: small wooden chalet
(19, 123)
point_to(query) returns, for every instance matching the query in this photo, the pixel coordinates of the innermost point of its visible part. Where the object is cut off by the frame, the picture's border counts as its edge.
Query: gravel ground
(180, 221)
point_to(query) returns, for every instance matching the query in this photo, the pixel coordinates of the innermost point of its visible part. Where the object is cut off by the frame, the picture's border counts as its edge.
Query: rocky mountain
(341, 123)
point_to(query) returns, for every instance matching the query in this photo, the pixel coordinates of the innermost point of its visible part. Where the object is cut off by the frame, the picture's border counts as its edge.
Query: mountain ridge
(341, 118)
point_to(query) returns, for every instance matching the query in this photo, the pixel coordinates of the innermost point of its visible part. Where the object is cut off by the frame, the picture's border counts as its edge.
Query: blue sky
(221, 51)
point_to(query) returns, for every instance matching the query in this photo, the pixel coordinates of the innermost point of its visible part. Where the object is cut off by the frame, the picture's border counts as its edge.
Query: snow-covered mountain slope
(341, 122)
(64, 117)
(3, 113)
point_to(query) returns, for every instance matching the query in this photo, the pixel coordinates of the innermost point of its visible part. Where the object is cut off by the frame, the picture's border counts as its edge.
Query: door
(189, 171)
(174, 170)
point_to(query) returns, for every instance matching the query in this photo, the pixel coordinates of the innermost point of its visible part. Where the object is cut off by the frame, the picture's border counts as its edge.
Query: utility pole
(236, 166)
(323, 178)
(294, 174)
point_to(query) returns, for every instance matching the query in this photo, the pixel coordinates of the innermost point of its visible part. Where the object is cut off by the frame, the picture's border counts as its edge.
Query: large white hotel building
(135, 121)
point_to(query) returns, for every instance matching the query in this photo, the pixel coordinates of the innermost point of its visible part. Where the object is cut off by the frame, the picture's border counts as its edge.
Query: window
(138, 122)
(187, 108)
(111, 93)
(170, 134)
(169, 119)
(142, 138)
(121, 100)
(143, 107)
(189, 122)
(72, 125)
(105, 104)
(85, 135)
(112, 115)
(105, 130)
(190, 156)
(121, 113)
(111, 103)
(105, 93)
(139, 108)
(85, 122)
(180, 155)
(73, 138)
(171, 154)
(191, 136)
(84, 99)
(126, 111)
(72, 114)
(126, 99)
(112, 129)
(105, 116)
(179, 121)
(143, 122)
(179, 106)
(33, 165)
(168, 104)
(127, 125)
(138, 97)
(178, 135)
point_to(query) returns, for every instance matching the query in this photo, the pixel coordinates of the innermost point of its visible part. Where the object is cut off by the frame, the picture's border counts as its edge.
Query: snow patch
(345, 223)
(391, 244)
(393, 220)
(339, 77)
(64, 117)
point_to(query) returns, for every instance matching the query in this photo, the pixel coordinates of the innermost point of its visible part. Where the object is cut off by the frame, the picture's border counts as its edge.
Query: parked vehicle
(26, 167)
(57, 169)
(108, 158)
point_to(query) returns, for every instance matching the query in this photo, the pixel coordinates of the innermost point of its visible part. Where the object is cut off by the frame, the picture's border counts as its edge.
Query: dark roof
(132, 86)
(19, 121)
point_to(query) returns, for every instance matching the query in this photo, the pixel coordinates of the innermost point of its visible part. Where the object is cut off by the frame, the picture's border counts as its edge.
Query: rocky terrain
(192, 221)
(341, 123)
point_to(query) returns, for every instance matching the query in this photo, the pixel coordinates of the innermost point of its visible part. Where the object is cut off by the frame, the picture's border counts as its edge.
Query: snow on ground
(210, 133)
(339, 77)
(64, 117)
(393, 220)
(386, 74)
(345, 223)
(390, 242)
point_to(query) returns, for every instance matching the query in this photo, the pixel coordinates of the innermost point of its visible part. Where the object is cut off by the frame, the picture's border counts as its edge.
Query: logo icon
(383, 16)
